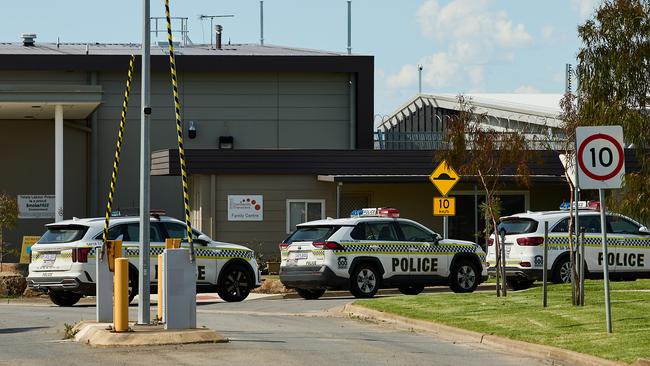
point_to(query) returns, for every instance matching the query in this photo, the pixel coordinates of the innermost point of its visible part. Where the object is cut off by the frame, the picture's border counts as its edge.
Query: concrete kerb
(456, 335)
(100, 335)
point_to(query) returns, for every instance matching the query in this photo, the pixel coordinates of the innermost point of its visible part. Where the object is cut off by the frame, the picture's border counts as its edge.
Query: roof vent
(28, 39)
(218, 31)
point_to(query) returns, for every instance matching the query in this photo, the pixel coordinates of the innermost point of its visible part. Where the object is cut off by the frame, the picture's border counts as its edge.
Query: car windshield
(517, 225)
(312, 233)
(63, 234)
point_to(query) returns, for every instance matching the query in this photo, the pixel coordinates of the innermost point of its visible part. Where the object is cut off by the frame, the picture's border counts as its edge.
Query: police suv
(374, 249)
(628, 244)
(63, 260)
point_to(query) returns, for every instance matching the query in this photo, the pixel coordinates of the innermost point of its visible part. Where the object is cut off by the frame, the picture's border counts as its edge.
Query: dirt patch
(270, 286)
(12, 284)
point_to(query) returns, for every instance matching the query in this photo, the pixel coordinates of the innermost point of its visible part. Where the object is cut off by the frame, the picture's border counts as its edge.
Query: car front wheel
(310, 294)
(236, 283)
(64, 298)
(464, 276)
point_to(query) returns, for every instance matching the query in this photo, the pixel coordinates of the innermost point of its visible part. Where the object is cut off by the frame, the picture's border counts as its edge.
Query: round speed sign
(601, 158)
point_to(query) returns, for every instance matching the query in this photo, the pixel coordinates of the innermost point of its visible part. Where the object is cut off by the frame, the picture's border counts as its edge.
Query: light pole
(420, 78)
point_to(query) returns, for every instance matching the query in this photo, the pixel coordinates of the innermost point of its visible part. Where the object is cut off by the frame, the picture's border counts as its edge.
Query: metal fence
(389, 140)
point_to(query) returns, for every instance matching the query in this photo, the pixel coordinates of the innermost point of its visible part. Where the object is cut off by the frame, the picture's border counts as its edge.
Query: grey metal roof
(7, 48)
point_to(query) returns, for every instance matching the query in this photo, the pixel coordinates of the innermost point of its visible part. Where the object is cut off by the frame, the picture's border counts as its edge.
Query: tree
(480, 151)
(8, 218)
(614, 89)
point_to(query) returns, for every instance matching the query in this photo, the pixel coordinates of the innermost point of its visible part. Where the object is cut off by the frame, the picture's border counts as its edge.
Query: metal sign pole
(445, 227)
(608, 310)
(583, 263)
(544, 270)
(143, 258)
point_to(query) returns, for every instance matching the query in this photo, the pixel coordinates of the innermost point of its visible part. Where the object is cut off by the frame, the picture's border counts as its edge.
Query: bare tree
(8, 219)
(480, 151)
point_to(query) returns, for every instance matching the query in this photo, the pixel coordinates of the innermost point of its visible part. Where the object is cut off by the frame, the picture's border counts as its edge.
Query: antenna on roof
(58, 42)
(211, 17)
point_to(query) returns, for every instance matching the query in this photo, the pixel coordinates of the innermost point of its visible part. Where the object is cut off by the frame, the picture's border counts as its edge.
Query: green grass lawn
(521, 316)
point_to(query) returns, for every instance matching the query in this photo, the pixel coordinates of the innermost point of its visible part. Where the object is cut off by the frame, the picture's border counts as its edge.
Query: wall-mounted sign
(245, 207)
(35, 206)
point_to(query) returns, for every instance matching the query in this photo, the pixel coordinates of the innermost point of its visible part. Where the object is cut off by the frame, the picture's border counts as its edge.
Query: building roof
(7, 48)
(537, 109)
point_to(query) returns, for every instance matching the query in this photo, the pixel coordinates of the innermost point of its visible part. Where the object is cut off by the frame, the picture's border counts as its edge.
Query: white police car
(628, 246)
(376, 249)
(63, 260)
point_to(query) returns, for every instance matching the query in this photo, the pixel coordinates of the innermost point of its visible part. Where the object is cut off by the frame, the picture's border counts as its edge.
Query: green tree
(614, 89)
(8, 219)
(477, 150)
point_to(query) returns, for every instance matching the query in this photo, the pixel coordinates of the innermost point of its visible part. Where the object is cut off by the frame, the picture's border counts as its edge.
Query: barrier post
(160, 287)
(121, 306)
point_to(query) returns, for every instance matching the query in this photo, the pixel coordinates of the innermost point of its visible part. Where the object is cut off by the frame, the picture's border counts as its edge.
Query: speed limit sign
(601, 158)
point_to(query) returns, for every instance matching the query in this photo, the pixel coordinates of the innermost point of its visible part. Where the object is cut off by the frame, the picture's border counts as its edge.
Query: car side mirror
(644, 230)
(202, 239)
(436, 238)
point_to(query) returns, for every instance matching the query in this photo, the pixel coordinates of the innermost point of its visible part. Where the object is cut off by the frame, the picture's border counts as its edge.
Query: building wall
(262, 236)
(27, 163)
(260, 110)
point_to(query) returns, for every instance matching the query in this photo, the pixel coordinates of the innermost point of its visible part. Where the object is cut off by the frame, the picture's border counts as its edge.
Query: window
(384, 231)
(619, 225)
(299, 211)
(179, 231)
(312, 233)
(415, 233)
(591, 224)
(522, 226)
(63, 234)
(132, 233)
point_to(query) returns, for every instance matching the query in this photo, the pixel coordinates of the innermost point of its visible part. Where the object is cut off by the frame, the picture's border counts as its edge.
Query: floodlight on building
(226, 143)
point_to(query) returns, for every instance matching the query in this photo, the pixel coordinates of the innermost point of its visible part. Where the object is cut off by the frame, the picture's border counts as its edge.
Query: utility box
(179, 289)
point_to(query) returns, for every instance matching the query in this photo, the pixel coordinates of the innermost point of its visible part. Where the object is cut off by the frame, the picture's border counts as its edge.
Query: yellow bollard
(121, 296)
(160, 287)
(172, 243)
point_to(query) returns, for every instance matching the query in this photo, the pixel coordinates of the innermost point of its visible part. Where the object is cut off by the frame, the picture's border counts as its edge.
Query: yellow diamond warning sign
(444, 178)
(444, 206)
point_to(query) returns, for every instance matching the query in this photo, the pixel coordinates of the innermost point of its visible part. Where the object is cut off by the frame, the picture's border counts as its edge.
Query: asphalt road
(261, 332)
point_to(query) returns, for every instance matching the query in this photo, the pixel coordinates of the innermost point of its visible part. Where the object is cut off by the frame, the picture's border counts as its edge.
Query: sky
(464, 46)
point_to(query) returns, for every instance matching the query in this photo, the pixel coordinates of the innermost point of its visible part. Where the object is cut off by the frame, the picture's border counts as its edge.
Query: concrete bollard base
(101, 335)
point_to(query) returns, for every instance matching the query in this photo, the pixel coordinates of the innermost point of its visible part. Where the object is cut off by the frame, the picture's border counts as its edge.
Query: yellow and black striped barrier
(179, 130)
(118, 151)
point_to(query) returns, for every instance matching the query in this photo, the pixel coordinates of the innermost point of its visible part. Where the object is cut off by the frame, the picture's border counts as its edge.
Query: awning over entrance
(420, 178)
(40, 101)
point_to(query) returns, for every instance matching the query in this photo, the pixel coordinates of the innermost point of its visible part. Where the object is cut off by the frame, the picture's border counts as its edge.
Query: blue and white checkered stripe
(613, 241)
(405, 248)
(200, 252)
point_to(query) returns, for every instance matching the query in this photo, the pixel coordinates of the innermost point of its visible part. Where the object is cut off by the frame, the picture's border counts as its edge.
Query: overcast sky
(465, 46)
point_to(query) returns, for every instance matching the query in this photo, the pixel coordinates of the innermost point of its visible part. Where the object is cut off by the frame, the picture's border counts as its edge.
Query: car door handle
(413, 249)
(374, 247)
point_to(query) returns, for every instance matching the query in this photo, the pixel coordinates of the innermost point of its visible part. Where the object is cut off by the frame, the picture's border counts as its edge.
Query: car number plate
(300, 256)
(49, 259)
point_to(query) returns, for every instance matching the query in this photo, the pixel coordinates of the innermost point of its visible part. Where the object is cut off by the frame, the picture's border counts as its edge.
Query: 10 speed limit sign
(601, 158)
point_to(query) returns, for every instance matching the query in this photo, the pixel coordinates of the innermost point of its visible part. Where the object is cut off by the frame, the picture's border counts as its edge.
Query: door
(631, 251)
(381, 241)
(593, 244)
(206, 268)
(427, 261)
(130, 235)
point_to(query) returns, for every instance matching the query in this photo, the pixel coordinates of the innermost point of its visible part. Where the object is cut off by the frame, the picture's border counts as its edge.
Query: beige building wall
(27, 166)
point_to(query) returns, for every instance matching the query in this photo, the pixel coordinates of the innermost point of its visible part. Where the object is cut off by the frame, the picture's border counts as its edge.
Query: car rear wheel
(235, 284)
(519, 284)
(562, 271)
(64, 298)
(411, 290)
(310, 294)
(464, 276)
(365, 281)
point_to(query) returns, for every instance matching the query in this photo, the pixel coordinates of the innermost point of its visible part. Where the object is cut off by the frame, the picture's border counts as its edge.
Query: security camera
(191, 131)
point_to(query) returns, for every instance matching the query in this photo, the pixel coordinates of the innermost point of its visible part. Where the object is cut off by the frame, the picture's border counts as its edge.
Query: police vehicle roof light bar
(582, 205)
(376, 212)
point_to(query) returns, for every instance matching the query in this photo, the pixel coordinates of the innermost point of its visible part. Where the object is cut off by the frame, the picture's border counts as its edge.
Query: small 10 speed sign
(601, 157)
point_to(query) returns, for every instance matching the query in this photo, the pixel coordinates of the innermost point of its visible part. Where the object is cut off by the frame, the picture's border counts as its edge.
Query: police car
(628, 246)
(374, 249)
(63, 260)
